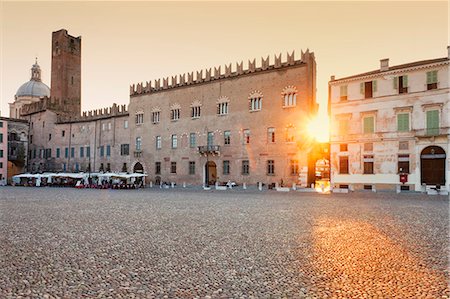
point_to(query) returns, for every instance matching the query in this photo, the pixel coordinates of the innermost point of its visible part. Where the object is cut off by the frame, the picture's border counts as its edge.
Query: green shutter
(395, 82)
(369, 124)
(432, 122)
(431, 77)
(374, 85)
(405, 81)
(403, 122)
(361, 87)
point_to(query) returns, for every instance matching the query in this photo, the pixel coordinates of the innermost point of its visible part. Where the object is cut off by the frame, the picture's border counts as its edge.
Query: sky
(130, 42)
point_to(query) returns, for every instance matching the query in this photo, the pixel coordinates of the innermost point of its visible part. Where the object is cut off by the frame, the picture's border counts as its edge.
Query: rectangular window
(49, 137)
(58, 152)
(270, 167)
(245, 167)
(368, 164)
(63, 133)
(433, 122)
(403, 122)
(1, 138)
(210, 138)
(343, 147)
(403, 163)
(1, 164)
(1, 153)
(270, 135)
(124, 149)
(104, 127)
(290, 99)
(125, 124)
(173, 167)
(192, 140)
(72, 152)
(401, 83)
(191, 167)
(403, 145)
(108, 150)
(109, 126)
(158, 142)
(246, 136)
(255, 104)
(64, 166)
(138, 144)
(88, 151)
(102, 151)
(343, 93)
(155, 117)
(343, 164)
(139, 118)
(294, 167)
(157, 167)
(368, 88)
(81, 152)
(227, 137)
(432, 80)
(1, 124)
(222, 108)
(369, 124)
(226, 167)
(368, 147)
(290, 134)
(174, 141)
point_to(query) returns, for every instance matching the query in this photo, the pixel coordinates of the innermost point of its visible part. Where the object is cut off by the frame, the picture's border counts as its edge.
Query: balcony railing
(209, 149)
(430, 132)
(138, 153)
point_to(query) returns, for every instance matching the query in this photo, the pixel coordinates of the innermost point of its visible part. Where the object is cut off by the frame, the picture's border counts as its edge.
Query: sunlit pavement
(185, 244)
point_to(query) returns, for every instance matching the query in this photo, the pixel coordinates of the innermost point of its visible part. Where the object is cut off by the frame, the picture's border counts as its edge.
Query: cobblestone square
(68, 243)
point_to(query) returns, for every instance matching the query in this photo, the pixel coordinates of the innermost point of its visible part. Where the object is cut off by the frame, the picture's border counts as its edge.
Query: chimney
(332, 78)
(384, 64)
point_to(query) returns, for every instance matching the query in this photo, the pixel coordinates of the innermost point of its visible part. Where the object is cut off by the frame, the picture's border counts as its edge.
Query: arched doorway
(210, 173)
(138, 168)
(432, 166)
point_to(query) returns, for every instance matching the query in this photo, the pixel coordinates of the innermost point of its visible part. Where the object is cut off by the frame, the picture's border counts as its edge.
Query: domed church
(29, 92)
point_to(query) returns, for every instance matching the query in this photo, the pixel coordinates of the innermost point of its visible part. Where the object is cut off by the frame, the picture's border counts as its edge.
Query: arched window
(222, 105)
(290, 133)
(156, 114)
(175, 112)
(255, 101)
(138, 143)
(196, 107)
(289, 96)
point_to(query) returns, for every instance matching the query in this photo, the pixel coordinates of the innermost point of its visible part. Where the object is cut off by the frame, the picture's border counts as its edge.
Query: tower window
(71, 80)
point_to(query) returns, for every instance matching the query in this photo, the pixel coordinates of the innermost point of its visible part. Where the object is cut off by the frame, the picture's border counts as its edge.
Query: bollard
(294, 186)
(398, 188)
(172, 184)
(151, 184)
(276, 185)
(184, 184)
(259, 186)
(216, 184)
(244, 186)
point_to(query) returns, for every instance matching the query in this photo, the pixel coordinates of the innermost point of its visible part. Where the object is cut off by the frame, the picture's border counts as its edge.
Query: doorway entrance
(210, 173)
(432, 166)
(138, 168)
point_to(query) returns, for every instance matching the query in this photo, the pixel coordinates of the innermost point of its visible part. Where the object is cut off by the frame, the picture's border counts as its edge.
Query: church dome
(34, 87)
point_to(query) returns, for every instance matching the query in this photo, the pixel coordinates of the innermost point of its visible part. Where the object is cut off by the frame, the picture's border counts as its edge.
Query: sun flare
(318, 128)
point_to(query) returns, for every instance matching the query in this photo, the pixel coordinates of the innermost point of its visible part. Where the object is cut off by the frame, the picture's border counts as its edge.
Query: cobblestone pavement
(68, 243)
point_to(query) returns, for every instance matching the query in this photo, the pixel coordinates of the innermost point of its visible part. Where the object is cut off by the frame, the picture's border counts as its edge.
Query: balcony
(209, 150)
(432, 132)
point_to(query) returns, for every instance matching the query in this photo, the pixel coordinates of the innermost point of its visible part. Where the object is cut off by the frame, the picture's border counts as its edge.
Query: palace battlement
(44, 103)
(108, 112)
(209, 75)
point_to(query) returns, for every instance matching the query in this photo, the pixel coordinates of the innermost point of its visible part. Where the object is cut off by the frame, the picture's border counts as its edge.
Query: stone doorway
(138, 168)
(432, 166)
(210, 173)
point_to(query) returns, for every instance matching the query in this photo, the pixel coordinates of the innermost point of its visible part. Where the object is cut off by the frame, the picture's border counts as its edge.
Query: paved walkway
(67, 243)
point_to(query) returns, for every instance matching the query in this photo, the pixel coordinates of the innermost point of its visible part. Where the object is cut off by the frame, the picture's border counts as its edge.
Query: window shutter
(361, 87)
(374, 85)
(218, 108)
(395, 82)
(433, 119)
(405, 81)
(434, 77)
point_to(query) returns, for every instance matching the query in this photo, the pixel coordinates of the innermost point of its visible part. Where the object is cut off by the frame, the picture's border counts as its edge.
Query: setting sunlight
(318, 128)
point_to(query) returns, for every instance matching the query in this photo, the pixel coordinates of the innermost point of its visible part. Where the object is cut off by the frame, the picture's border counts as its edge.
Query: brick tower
(66, 72)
